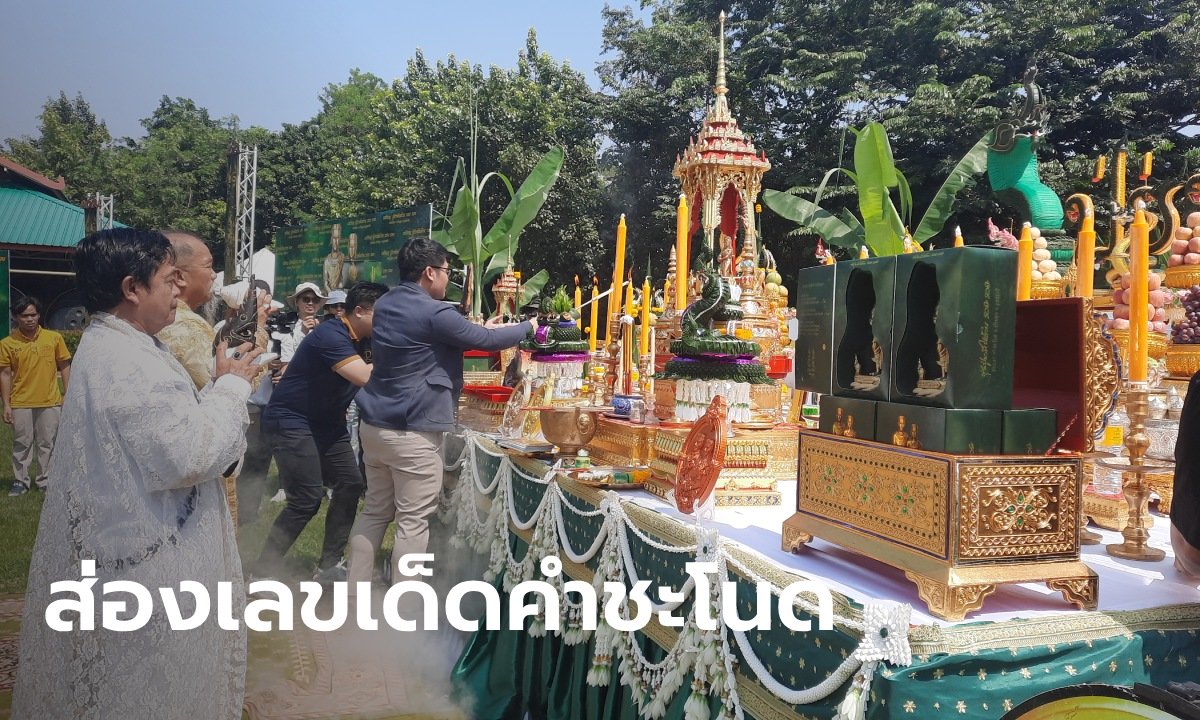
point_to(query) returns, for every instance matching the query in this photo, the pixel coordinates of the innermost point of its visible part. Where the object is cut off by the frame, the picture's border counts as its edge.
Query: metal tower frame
(247, 182)
(104, 212)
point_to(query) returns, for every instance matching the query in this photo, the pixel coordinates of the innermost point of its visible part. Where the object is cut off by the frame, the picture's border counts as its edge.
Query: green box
(814, 329)
(848, 417)
(862, 328)
(955, 327)
(948, 430)
(1029, 431)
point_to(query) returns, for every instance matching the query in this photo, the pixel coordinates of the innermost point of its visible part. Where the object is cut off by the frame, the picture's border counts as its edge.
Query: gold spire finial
(721, 89)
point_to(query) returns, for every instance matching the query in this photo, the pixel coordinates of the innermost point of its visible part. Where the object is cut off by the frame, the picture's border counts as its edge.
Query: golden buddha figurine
(913, 442)
(900, 437)
(850, 433)
(839, 426)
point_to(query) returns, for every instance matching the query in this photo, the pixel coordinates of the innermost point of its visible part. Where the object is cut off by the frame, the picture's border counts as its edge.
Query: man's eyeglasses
(445, 268)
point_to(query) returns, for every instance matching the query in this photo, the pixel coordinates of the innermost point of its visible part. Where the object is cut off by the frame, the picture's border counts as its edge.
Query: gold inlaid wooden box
(755, 462)
(621, 443)
(957, 525)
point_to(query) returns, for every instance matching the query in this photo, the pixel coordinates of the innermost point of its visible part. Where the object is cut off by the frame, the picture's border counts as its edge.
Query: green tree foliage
(174, 176)
(937, 74)
(71, 142)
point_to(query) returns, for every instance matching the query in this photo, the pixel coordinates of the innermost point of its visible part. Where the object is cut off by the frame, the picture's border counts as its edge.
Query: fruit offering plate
(610, 477)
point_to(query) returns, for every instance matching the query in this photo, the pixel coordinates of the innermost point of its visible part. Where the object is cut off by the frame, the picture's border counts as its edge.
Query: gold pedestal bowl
(569, 428)
(1158, 343)
(1183, 360)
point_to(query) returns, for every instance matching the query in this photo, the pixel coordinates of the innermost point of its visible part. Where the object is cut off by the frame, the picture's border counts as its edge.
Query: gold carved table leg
(1084, 592)
(794, 539)
(949, 602)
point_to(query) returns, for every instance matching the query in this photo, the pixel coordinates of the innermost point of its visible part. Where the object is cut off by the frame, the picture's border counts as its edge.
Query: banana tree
(461, 228)
(875, 175)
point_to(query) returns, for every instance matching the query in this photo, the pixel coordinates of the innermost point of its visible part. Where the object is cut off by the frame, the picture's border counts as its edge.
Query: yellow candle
(618, 270)
(629, 295)
(578, 294)
(958, 238)
(1147, 166)
(1085, 261)
(1101, 164)
(1139, 270)
(1025, 263)
(644, 336)
(682, 225)
(595, 324)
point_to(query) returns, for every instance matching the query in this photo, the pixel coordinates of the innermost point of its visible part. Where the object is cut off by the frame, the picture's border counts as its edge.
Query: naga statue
(703, 352)
(1012, 161)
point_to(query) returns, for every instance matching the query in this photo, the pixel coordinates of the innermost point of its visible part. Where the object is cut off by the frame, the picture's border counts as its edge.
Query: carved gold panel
(1027, 509)
(896, 495)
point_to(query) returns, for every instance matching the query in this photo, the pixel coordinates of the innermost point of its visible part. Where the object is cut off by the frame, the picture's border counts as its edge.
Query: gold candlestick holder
(1133, 479)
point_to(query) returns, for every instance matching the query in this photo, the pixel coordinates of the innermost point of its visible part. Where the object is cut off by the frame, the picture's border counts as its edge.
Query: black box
(862, 328)
(948, 430)
(814, 328)
(954, 328)
(1029, 431)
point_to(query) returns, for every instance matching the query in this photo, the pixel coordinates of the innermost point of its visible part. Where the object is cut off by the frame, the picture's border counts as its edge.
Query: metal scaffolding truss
(247, 180)
(104, 212)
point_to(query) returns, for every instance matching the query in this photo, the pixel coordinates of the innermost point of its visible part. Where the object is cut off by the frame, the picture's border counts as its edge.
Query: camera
(282, 323)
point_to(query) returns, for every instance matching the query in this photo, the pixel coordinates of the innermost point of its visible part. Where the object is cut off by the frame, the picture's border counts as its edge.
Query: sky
(265, 61)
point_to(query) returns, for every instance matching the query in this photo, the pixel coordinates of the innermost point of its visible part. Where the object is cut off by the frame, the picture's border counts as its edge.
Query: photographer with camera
(307, 299)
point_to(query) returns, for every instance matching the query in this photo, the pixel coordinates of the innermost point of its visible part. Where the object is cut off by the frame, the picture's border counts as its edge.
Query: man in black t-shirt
(1185, 500)
(306, 421)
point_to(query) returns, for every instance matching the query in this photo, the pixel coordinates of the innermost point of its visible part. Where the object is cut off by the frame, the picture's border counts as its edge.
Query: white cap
(336, 297)
(305, 286)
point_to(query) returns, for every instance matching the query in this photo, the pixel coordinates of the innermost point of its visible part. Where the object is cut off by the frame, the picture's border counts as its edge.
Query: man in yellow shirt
(31, 358)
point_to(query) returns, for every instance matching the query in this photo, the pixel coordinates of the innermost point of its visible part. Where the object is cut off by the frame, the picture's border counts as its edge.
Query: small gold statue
(913, 442)
(839, 427)
(900, 437)
(850, 433)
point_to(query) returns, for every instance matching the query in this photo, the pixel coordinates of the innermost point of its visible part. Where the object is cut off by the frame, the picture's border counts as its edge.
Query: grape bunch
(1187, 330)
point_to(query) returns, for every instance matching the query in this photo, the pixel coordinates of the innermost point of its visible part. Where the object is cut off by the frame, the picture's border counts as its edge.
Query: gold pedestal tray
(957, 525)
(1183, 360)
(1046, 290)
(1157, 342)
(755, 462)
(1182, 276)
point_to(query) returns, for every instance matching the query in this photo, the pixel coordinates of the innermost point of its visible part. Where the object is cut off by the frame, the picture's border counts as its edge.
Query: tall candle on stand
(682, 225)
(1085, 264)
(1139, 290)
(1025, 263)
(644, 337)
(578, 294)
(618, 275)
(595, 316)
(629, 295)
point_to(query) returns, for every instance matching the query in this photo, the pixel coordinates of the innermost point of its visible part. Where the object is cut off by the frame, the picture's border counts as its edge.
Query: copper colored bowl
(569, 428)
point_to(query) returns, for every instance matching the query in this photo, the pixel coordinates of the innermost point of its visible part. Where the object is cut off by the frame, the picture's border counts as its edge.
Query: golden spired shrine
(721, 175)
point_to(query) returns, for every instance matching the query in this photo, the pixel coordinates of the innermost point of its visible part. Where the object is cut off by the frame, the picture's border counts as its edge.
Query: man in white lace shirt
(135, 489)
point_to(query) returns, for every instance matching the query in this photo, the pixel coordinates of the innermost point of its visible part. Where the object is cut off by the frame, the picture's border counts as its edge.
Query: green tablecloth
(977, 670)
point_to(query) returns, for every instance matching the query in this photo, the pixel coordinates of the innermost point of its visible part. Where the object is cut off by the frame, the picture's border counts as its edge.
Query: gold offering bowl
(1182, 276)
(1158, 344)
(569, 428)
(1046, 289)
(1183, 360)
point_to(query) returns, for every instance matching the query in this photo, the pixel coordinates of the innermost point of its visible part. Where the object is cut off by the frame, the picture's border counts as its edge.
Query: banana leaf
(876, 176)
(501, 240)
(833, 231)
(973, 164)
(532, 287)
